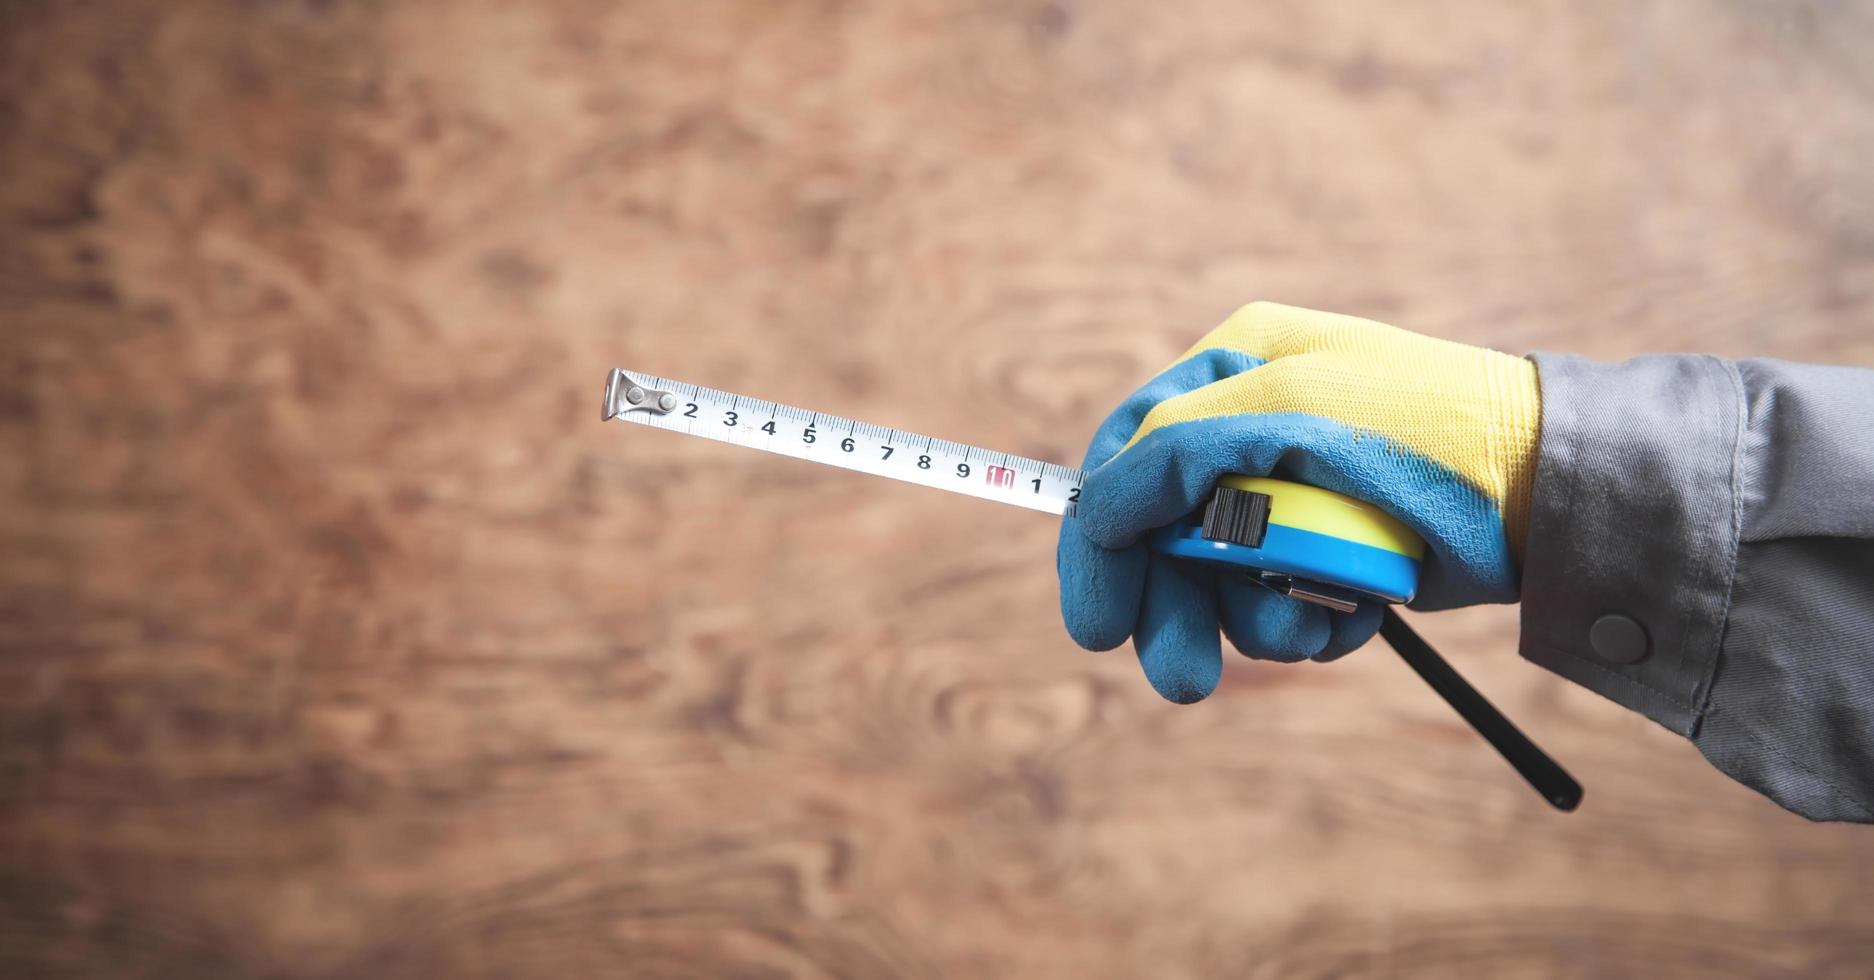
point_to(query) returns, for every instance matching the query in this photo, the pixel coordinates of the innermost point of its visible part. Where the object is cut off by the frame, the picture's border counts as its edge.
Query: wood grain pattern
(338, 638)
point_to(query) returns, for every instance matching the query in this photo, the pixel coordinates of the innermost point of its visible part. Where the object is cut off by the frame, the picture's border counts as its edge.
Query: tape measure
(1302, 541)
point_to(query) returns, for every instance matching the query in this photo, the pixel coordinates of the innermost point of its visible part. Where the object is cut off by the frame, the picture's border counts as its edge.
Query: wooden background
(339, 638)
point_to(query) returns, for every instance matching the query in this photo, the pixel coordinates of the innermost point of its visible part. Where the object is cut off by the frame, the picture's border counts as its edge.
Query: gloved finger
(1177, 630)
(1100, 588)
(1169, 473)
(1181, 452)
(1181, 445)
(1267, 626)
(1195, 371)
(1351, 630)
(1243, 424)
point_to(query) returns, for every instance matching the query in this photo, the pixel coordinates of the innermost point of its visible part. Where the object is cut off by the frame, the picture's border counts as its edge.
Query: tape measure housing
(1314, 536)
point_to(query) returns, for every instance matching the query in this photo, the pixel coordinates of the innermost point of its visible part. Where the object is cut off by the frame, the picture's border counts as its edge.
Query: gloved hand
(1438, 434)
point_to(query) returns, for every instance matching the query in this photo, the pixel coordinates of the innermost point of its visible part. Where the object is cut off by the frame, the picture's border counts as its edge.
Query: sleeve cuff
(1633, 528)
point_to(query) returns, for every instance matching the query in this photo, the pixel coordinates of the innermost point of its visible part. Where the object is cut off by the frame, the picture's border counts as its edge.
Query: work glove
(1440, 435)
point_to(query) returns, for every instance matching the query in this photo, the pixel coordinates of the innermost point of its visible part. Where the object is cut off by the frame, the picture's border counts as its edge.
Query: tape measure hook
(622, 394)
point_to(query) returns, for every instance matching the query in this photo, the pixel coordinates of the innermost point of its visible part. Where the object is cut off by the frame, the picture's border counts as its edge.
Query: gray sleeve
(1701, 550)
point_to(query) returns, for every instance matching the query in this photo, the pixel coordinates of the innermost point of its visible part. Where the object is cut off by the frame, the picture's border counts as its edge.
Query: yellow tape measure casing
(1307, 508)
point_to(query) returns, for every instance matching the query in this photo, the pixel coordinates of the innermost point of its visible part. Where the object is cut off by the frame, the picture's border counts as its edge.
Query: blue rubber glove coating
(1113, 586)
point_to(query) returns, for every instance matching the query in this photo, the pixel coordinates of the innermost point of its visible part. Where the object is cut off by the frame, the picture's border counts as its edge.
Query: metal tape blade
(832, 440)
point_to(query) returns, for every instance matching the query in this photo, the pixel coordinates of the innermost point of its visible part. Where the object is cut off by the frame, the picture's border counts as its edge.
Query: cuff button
(1618, 639)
